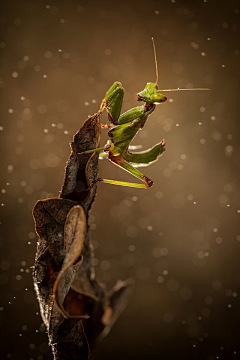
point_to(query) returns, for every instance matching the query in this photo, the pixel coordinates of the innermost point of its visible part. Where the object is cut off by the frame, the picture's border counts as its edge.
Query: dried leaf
(82, 170)
(75, 307)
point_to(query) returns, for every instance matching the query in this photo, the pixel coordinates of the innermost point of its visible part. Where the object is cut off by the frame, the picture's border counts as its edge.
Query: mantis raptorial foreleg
(147, 157)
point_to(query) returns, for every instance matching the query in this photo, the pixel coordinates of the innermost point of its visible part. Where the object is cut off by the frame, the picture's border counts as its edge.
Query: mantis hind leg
(132, 170)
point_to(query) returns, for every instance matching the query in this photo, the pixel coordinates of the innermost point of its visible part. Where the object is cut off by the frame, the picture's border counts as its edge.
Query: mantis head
(151, 95)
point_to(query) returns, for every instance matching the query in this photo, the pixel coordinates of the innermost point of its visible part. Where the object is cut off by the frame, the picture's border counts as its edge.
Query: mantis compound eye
(158, 98)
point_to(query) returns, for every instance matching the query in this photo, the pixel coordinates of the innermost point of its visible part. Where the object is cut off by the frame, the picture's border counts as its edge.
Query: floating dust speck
(15, 74)
(168, 317)
(47, 54)
(194, 45)
(228, 150)
(10, 168)
(66, 55)
(219, 240)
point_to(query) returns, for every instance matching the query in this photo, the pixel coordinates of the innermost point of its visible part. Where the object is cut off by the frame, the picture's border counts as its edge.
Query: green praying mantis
(124, 127)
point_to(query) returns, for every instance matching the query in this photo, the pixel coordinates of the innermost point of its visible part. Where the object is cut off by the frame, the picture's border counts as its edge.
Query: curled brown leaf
(75, 306)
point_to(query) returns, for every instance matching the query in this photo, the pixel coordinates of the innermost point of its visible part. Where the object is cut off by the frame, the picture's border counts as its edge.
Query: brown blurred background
(179, 240)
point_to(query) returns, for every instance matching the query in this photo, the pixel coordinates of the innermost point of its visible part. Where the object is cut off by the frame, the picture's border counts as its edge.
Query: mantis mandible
(124, 127)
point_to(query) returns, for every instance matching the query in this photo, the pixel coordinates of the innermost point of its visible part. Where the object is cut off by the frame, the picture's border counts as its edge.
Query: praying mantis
(124, 128)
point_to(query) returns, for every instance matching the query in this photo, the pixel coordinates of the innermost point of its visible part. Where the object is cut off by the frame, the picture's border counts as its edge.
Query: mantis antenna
(155, 56)
(184, 89)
